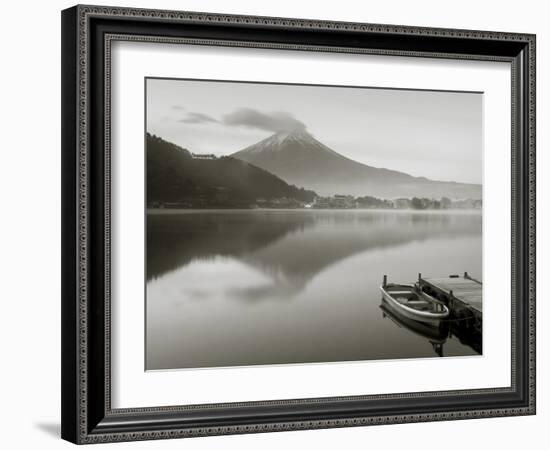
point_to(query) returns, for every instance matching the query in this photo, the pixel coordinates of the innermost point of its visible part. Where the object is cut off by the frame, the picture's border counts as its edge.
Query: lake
(247, 287)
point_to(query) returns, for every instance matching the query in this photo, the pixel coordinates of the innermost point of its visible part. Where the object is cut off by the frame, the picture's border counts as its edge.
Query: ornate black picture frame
(87, 34)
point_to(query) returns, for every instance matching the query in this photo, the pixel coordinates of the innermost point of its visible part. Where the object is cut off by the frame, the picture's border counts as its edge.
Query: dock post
(466, 275)
(385, 280)
(419, 276)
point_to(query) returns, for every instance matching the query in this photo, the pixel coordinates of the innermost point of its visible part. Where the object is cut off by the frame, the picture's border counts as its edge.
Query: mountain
(298, 158)
(175, 176)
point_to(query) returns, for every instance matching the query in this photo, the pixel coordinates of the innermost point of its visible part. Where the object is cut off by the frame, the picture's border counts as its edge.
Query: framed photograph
(277, 224)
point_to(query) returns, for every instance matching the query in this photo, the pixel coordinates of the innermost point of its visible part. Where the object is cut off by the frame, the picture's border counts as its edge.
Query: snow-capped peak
(282, 139)
(296, 134)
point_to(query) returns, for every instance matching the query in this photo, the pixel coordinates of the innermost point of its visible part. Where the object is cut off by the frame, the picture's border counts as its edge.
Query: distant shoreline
(167, 211)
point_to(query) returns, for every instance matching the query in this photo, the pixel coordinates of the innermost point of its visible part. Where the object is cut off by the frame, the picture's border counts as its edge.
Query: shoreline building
(203, 156)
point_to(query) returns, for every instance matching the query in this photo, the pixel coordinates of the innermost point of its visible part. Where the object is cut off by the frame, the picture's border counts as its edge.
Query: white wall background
(30, 225)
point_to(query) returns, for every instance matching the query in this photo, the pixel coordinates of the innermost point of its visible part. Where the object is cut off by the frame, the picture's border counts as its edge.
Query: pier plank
(466, 290)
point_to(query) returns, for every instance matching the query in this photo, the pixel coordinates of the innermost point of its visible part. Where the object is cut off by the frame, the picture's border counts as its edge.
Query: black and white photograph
(297, 224)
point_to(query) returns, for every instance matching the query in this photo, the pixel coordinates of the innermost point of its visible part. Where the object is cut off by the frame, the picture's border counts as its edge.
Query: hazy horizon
(433, 134)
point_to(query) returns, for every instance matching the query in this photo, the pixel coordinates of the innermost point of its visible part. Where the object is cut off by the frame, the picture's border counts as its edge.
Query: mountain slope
(298, 158)
(174, 176)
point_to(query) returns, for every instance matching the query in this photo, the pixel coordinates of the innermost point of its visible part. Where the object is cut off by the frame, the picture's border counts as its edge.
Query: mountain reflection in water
(211, 264)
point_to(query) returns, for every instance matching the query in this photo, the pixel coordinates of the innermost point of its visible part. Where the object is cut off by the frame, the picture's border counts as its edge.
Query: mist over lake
(247, 287)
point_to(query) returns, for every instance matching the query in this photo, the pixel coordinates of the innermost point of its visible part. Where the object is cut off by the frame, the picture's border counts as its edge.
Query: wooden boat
(435, 334)
(409, 301)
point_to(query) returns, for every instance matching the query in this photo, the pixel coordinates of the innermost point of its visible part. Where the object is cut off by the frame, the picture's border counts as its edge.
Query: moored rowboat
(408, 300)
(434, 334)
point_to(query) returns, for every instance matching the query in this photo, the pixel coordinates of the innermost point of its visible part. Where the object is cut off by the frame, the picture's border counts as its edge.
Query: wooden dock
(465, 289)
(461, 293)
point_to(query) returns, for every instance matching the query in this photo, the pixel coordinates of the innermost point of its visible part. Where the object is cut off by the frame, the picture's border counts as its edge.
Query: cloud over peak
(275, 121)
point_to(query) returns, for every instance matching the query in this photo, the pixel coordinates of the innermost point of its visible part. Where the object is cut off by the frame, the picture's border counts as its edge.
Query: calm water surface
(232, 288)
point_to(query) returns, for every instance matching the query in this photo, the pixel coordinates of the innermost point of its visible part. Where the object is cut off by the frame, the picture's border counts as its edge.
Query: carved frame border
(84, 431)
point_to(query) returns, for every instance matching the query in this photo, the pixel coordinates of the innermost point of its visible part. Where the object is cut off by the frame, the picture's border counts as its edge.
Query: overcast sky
(433, 134)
